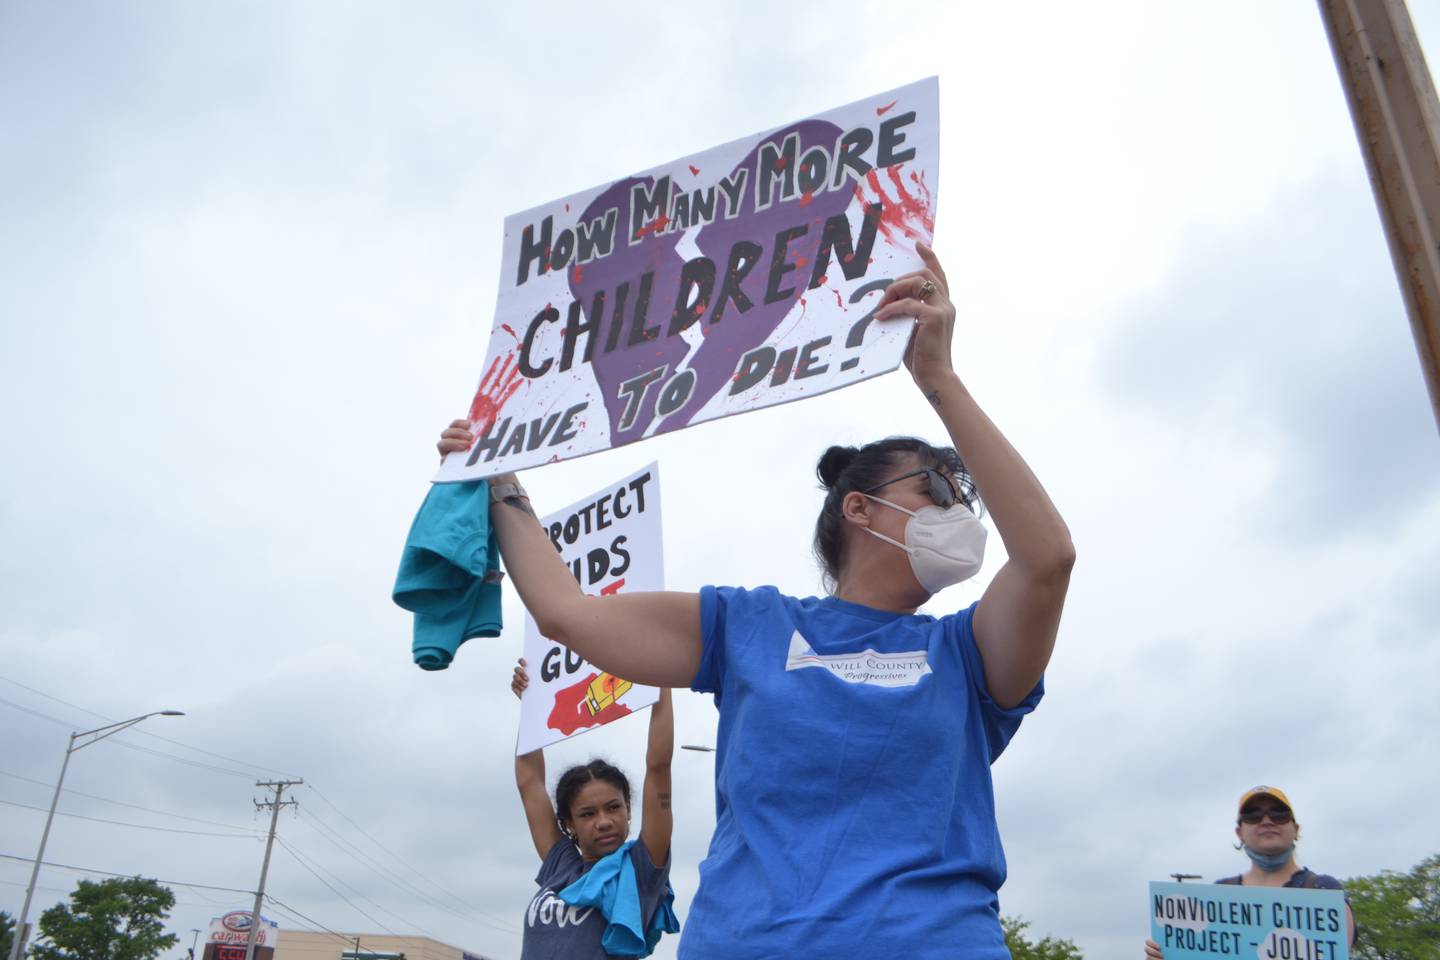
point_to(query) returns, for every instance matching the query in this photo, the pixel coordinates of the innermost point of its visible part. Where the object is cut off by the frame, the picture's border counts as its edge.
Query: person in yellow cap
(1267, 831)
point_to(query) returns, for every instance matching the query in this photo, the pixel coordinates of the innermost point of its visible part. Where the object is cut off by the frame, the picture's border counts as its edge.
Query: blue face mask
(1268, 861)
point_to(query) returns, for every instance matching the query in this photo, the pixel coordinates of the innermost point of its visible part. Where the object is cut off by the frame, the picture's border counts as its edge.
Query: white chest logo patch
(867, 666)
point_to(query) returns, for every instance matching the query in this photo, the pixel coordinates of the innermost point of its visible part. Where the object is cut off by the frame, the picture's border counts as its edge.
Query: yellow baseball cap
(1264, 791)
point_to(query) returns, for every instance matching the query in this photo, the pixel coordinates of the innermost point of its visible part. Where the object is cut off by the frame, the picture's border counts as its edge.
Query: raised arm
(530, 779)
(651, 638)
(657, 820)
(1019, 613)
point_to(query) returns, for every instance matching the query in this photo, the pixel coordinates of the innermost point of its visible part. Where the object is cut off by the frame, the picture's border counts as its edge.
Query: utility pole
(274, 805)
(1397, 119)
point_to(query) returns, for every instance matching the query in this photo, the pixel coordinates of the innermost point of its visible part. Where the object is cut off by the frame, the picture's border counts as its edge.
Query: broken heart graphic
(726, 339)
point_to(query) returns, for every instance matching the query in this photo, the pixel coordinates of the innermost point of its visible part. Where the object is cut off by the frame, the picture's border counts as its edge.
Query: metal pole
(22, 929)
(17, 947)
(274, 805)
(1397, 120)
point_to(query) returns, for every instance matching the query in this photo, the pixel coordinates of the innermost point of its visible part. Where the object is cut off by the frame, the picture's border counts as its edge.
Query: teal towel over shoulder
(611, 885)
(449, 573)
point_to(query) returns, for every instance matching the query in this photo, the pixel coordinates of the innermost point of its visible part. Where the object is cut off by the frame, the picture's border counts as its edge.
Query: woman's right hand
(1152, 951)
(519, 680)
(455, 438)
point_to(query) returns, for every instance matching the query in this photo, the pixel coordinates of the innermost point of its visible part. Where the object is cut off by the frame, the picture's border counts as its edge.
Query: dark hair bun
(833, 463)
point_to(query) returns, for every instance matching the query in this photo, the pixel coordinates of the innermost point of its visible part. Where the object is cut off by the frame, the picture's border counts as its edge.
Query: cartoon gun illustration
(603, 691)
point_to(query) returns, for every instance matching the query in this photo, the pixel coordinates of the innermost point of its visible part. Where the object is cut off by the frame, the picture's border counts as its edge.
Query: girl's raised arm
(657, 819)
(530, 779)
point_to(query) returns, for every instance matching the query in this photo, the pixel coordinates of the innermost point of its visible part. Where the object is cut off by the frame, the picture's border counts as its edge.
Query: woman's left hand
(924, 295)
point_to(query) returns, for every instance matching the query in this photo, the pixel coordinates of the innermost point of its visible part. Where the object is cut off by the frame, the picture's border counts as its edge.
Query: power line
(121, 803)
(335, 839)
(107, 873)
(143, 733)
(189, 763)
(300, 860)
(178, 903)
(407, 866)
(315, 924)
(37, 713)
(126, 823)
(333, 876)
(125, 743)
(331, 835)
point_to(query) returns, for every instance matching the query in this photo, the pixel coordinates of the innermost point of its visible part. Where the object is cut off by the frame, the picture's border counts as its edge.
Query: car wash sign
(229, 937)
(726, 281)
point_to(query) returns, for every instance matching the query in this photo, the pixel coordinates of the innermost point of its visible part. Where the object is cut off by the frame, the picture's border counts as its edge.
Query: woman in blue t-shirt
(854, 806)
(590, 821)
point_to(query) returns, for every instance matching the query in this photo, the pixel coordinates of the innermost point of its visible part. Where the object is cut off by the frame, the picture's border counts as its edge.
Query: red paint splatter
(806, 197)
(801, 261)
(571, 713)
(781, 162)
(824, 278)
(613, 588)
(906, 214)
(881, 111)
(655, 226)
(694, 170)
(838, 302)
(567, 208)
(577, 273)
(510, 330)
(498, 385)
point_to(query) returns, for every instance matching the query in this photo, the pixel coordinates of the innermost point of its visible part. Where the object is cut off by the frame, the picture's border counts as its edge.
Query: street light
(17, 949)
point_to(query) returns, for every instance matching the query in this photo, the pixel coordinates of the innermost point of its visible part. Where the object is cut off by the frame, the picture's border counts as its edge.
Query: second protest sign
(611, 541)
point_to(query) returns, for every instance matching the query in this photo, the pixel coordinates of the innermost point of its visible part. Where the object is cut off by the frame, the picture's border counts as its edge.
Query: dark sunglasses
(942, 488)
(1277, 815)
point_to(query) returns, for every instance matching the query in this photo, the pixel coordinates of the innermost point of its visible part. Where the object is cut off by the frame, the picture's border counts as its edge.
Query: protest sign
(1202, 921)
(611, 542)
(727, 281)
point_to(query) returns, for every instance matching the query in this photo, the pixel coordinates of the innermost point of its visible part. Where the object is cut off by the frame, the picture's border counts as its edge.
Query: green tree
(1398, 913)
(1047, 949)
(117, 919)
(7, 933)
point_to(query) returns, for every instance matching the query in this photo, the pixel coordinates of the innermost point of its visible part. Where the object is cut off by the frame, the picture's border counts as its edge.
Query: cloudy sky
(248, 260)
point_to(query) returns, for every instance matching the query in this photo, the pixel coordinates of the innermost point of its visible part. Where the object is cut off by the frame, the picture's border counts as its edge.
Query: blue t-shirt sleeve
(561, 865)
(714, 607)
(1000, 722)
(651, 880)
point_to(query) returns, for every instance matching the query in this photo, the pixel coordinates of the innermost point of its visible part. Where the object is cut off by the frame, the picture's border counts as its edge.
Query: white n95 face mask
(945, 545)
